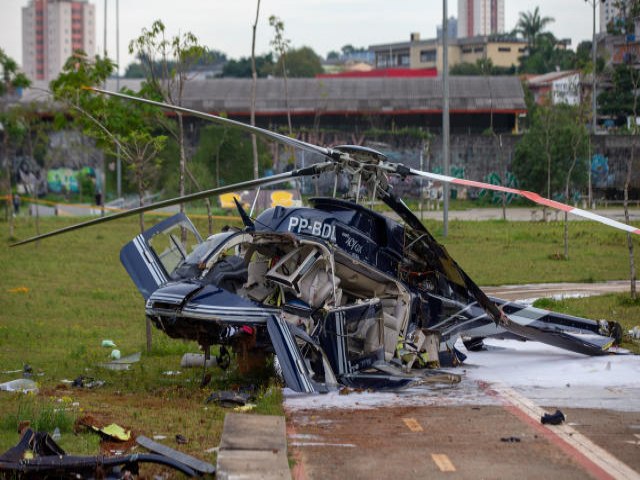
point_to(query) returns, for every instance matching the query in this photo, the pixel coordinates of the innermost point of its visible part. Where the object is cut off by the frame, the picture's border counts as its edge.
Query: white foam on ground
(548, 375)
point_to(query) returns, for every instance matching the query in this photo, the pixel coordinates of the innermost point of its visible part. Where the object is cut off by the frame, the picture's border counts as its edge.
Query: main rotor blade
(293, 142)
(534, 197)
(312, 170)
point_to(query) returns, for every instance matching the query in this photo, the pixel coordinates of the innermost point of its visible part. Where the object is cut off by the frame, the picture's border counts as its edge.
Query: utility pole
(594, 97)
(118, 159)
(445, 117)
(103, 197)
(104, 47)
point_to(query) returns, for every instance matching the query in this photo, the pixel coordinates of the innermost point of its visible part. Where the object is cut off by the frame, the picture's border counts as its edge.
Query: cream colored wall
(456, 56)
(492, 51)
(505, 59)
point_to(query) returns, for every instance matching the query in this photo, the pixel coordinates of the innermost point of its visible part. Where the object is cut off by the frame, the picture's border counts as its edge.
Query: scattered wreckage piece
(37, 455)
(229, 398)
(121, 363)
(24, 385)
(555, 418)
(192, 462)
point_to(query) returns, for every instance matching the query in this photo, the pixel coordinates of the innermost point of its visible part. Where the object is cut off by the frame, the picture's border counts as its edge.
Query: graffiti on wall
(495, 179)
(601, 177)
(67, 180)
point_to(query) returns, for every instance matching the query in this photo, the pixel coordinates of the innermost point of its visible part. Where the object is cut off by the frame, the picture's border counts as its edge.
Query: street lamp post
(118, 159)
(445, 117)
(594, 96)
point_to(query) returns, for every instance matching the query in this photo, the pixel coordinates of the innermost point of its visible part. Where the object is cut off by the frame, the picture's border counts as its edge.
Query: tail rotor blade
(534, 197)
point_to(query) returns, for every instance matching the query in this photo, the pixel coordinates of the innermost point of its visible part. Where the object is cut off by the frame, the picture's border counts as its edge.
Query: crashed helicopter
(341, 294)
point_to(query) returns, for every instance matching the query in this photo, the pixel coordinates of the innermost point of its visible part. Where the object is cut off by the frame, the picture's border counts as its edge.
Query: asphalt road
(539, 290)
(523, 214)
(487, 426)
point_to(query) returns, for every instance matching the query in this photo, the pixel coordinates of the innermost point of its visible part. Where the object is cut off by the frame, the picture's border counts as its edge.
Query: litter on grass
(23, 385)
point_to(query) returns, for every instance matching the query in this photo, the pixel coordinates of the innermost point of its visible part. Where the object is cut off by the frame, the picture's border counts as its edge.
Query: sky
(323, 25)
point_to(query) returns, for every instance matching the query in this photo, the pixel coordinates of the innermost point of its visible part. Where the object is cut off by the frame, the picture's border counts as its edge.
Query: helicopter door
(152, 256)
(353, 336)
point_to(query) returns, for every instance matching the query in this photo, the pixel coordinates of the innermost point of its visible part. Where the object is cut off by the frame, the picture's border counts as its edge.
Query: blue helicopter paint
(363, 234)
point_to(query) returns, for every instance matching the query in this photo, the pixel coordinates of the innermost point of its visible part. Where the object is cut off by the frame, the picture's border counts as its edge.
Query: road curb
(253, 447)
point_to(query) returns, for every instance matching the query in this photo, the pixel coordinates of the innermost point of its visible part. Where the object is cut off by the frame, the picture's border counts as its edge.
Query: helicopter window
(169, 247)
(203, 250)
(191, 266)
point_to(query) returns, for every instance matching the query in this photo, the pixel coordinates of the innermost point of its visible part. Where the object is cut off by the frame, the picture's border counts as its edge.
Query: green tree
(333, 55)
(583, 54)
(619, 99)
(114, 124)
(241, 68)
(530, 25)
(11, 126)
(634, 131)
(254, 86)
(220, 153)
(301, 63)
(281, 47)
(110, 121)
(481, 67)
(547, 150)
(168, 64)
(547, 56)
(134, 70)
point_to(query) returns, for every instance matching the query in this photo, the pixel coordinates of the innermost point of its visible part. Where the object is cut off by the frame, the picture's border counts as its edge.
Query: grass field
(60, 298)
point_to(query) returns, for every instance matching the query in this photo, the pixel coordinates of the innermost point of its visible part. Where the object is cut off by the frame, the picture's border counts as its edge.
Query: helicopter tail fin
(243, 214)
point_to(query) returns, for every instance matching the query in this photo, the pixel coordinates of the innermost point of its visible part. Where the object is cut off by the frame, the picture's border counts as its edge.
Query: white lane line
(569, 435)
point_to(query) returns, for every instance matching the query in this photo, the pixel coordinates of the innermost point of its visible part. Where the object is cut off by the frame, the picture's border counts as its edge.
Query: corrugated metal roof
(338, 95)
(406, 95)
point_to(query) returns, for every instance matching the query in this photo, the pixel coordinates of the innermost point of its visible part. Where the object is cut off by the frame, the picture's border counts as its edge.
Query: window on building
(504, 49)
(428, 56)
(478, 49)
(467, 50)
(403, 59)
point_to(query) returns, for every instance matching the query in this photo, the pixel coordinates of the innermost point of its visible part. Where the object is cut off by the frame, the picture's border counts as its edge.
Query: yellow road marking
(443, 462)
(413, 424)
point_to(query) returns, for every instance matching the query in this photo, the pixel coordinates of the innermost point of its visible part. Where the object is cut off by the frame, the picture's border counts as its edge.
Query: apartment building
(51, 31)
(480, 18)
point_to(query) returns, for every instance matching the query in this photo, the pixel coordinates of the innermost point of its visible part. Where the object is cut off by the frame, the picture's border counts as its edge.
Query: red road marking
(298, 471)
(592, 468)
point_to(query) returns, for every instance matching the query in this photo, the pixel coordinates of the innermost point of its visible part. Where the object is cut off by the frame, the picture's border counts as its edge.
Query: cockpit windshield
(189, 267)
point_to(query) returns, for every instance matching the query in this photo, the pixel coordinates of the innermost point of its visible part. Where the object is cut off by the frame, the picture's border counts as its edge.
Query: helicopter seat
(303, 272)
(255, 288)
(394, 320)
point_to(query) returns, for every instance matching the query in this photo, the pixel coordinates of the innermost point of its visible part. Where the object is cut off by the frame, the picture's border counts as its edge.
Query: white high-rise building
(480, 17)
(51, 31)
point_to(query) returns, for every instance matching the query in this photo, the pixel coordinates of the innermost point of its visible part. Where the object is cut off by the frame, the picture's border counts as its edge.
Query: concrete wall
(476, 157)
